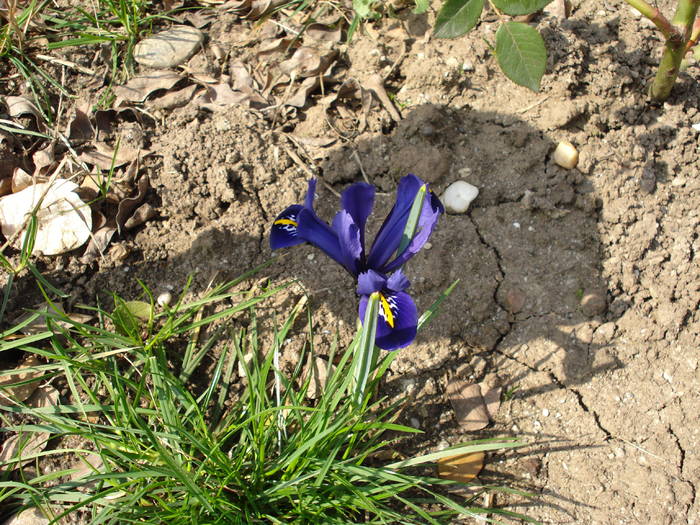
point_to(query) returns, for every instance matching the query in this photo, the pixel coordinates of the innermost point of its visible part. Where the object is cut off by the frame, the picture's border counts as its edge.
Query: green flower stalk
(681, 34)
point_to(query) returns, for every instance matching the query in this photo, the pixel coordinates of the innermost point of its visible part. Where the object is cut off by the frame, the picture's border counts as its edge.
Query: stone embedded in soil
(169, 48)
(30, 516)
(458, 196)
(468, 404)
(514, 300)
(593, 304)
(566, 155)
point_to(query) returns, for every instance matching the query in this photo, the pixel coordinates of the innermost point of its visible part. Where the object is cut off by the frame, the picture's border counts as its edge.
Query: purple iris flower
(344, 242)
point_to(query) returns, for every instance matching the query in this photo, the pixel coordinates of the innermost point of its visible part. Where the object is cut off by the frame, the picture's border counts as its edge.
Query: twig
(67, 63)
(533, 105)
(356, 156)
(375, 83)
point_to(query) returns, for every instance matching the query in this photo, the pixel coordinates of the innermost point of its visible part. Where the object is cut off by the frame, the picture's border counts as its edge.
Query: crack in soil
(681, 464)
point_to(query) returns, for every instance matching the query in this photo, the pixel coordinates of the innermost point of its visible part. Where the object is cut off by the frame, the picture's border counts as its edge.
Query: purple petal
(389, 236)
(310, 194)
(349, 237)
(397, 282)
(358, 201)
(430, 213)
(284, 229)
(313, 230)
(370, 281)
(397, 321)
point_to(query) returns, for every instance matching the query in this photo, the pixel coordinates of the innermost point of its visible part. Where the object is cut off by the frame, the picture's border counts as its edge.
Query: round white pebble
(458, 196)
(164, 299)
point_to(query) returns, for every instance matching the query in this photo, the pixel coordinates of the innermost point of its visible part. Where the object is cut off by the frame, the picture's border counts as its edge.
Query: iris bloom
(344, 242)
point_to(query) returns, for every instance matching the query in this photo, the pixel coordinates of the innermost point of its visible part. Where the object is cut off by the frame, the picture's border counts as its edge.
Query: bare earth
(579, 288)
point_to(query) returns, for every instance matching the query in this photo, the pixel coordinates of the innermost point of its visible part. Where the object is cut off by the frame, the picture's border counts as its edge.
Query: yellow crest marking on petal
(286, 221)
(388, 314)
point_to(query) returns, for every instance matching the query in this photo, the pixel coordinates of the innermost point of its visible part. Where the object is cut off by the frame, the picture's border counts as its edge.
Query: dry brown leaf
(30, 516)
(463, 468)
(64, 221)
(220, 96)
(320, 370)
(20, 392)
(80, 128)
(18, 106)
(307, 61)
(491, 393)
(20, 447)
(39, 323)
(5, 186)
(469, 407)
(43, 397)
(98, 243)
(308, 86)
(43, 159)
(138, 88)
(323, 35)
(143, 213)
(174, 99)
(350, 90)
(21, 180)
(127, 206)
(275, 45)
(105, 157)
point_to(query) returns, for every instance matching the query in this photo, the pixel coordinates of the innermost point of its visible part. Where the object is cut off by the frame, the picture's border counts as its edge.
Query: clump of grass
(246, 449)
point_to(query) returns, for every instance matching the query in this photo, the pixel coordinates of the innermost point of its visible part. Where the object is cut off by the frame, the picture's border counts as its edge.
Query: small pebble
(168, 48)
(516, 225)
(164, 299)
(545, 412)
(469, 66)
(458, 196)
(696, 127)
(566, 155)
(593, 304)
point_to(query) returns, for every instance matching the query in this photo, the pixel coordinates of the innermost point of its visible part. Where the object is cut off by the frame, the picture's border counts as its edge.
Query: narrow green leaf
(412, 223)
(520, 7)
(457, 17)
(365, 352)
(421, 7)
(521, 54)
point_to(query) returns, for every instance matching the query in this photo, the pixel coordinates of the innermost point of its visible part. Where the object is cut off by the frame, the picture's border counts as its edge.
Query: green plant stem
(653, 14)
(674, 50)
(694, 36)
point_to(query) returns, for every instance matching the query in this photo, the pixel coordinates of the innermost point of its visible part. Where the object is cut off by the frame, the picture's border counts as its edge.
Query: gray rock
(169, 48)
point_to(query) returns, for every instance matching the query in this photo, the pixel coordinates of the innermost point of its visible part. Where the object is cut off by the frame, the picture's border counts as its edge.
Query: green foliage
(521, 54)
(520, 7)
(520, 50)
(234, 448)
(457, 17)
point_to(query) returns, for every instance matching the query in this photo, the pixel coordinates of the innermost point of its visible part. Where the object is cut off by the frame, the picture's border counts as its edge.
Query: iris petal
(349, 238)
(389, 236)
(397, 321)
(358, 201)
(310, 194)
(397, 282)
(370, 281)
(316, 232)
(284, 229)
(430, 213)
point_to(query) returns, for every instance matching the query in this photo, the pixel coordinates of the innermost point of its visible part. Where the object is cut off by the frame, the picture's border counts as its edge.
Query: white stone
(566, 155)
(30, 516)
(164, 299)
(169, 48)
(458, 196)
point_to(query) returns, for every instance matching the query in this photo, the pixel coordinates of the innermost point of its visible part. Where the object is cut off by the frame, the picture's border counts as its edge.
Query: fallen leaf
(323, 34)
(319, 369)
(143, 213)
(21, 180)
(18, 106)
(43, 397)
(138, 88)
(10, 388)
(174, 99)
(98, 243)
(20, 447)
(220, 96)
(80, 128)
(491, 394)
(308, 86)
(469, 407)
(5, 186)
(43, 159)
(307, 61)
(30, 516)
(106, 158)
(127, 206)
(64, 221)
(462, 468)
